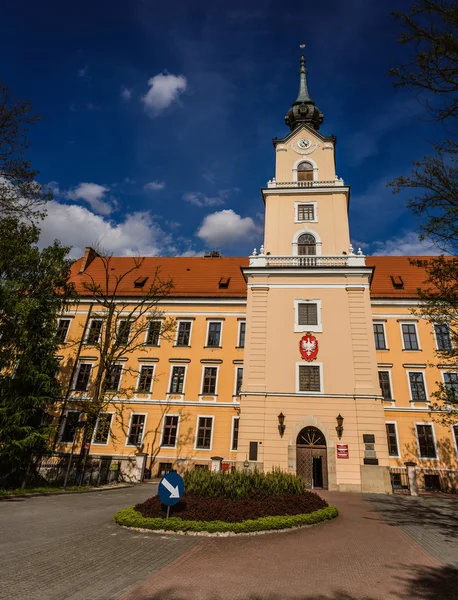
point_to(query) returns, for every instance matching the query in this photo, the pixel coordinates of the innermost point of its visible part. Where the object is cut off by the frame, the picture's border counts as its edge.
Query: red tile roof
(386, 267)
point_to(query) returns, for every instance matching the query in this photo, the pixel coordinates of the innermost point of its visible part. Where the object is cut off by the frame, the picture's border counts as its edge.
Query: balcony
(305, 262)
(337, 182)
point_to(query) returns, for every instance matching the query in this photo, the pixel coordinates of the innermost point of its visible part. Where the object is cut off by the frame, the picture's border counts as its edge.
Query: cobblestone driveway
(68, 548)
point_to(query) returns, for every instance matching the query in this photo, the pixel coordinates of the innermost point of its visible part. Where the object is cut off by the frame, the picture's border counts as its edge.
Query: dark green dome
(303, 110)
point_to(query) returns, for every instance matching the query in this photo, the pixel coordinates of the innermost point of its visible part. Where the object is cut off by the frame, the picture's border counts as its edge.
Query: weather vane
(301, 46)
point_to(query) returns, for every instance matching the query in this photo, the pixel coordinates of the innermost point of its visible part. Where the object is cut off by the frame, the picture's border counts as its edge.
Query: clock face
(303, 143)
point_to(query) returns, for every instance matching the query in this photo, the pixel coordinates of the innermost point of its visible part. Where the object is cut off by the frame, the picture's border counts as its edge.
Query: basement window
(397, 282)
(224, 283)
(140, 282)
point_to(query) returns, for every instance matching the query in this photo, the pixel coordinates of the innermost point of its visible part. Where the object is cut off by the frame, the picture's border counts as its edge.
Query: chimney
(88, 257)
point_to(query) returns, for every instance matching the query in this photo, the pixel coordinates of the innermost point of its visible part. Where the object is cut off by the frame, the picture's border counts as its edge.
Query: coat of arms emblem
(308, 347)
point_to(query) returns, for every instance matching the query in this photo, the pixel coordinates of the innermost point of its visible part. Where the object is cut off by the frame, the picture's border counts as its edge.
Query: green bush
(129, 517)
(241, 484)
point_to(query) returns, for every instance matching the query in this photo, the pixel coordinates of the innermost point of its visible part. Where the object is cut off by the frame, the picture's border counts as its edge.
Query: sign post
(171, 488)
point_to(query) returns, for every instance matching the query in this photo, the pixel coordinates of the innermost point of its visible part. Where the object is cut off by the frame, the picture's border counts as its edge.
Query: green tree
(430, 35)
(34, 289)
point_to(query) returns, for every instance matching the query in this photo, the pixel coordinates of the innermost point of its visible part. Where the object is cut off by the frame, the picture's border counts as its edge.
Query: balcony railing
(337, 182)
(346, 260)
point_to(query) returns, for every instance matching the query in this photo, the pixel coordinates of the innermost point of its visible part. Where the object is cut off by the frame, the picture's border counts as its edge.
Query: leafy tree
(34, 289)
(431, 35)
(20, 193)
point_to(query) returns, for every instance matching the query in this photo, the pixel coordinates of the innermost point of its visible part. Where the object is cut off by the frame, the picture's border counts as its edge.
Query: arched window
(306, 245)
(304, 172)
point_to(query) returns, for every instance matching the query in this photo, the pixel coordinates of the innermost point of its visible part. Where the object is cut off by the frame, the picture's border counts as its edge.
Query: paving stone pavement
(68, 548)
(358, 556)
(432, 521)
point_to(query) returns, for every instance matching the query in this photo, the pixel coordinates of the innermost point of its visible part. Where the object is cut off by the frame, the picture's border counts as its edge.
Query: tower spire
(303, 109)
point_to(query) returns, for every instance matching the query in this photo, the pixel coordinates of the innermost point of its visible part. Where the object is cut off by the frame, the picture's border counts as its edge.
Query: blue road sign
(171, 488)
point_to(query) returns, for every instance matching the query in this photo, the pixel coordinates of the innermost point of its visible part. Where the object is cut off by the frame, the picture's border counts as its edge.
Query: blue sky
(158, 117)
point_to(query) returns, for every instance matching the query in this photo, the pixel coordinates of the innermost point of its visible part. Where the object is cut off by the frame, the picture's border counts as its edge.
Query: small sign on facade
(342, 451)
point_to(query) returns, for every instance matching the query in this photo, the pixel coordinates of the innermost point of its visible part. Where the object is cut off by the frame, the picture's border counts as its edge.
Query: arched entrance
(311, 457)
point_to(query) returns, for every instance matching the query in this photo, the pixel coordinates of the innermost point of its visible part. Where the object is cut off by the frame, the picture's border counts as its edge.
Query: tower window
(306, 245)
(305, 172)
(306, 212)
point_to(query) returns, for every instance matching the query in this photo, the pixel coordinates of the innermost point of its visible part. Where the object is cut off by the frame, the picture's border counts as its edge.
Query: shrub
(129, 517)
(241, 484)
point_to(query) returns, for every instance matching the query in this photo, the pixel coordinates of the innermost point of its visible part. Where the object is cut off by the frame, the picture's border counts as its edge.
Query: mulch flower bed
(200, 508)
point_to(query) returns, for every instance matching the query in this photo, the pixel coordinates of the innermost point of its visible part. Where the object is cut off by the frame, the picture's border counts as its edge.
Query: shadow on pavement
(425, 583)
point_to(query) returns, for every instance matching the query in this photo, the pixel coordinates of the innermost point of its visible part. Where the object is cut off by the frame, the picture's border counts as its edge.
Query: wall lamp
(281, 424)
(339, 427)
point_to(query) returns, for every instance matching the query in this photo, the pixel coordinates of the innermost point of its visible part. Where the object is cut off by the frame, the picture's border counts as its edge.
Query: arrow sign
(171, 488)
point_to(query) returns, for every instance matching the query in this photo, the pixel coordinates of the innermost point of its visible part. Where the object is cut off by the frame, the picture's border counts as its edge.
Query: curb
(65, 493)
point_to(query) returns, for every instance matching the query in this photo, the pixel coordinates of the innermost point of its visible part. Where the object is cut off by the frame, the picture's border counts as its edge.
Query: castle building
(306, 356)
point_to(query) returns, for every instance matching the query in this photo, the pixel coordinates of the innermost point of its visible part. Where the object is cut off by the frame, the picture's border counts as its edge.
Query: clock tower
(311, 401)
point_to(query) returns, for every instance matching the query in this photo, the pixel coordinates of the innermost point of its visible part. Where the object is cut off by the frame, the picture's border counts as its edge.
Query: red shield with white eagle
(308, 347)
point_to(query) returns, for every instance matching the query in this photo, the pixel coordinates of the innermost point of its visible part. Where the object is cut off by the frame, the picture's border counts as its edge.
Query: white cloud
(200, 200)
(77, 226)
(155, 186)
(94, 195)
(126, 93)
(226, 227)
(165, 88)
(406, 244)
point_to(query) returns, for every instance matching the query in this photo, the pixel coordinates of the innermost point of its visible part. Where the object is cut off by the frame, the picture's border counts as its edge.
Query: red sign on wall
(308, 347)
(342, 451)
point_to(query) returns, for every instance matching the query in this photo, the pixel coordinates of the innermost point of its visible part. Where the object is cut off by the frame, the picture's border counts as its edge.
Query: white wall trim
(304, 328)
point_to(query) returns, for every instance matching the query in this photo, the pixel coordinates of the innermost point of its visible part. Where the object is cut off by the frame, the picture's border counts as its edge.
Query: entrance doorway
(311, 458)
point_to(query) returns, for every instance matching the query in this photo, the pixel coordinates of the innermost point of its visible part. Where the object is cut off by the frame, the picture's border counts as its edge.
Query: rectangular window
(242, 330)
(209, 383)
(455, 433)
(63, 326)
(146, 379)
(451, 386)
(169, 434)
(204, 433)
(305, 212)
(307, 314)
(95, 329)
(214, 334)
(235, 433)
(417, 386)
(385, 385)
(123, 333)
(443, 341)
(137, 424)
(309, 379)
(409, 335)
(253, 453)
(112, 378)
(83, 376)
(102, 428)
(379, 336)
(392, 439)
(177, 381)
(426, 441)
(153, 333)
(184, 333)
(239, 380)
(70, 427)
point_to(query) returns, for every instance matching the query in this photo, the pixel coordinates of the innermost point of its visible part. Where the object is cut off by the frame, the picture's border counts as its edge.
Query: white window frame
(190, 332)
(212, 395)
(118, 325)
(311, 364)
(143, 432)
(89, 329)
(221, 321)
(375, 322)
(412, 401)
(310, 203)
(64, 422)
(235, 379)
(298, 234)
(238, 333)
(197, 432)
(178, 429)
(82, 362)
(115, 392)
(140, 374)
(398, 455)
(454, 437)
(384, 369)
(410, 322)
(145, 343)
(307, 160)
(418, 442)
(105, 412)
(169, 393)
(68, 330)
(231, 448)
(303, 328)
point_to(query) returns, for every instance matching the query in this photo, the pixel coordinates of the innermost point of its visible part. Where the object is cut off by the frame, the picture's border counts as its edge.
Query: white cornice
(296, 191)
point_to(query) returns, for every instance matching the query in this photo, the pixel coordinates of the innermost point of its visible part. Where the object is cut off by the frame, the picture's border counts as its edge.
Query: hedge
(129, 517)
